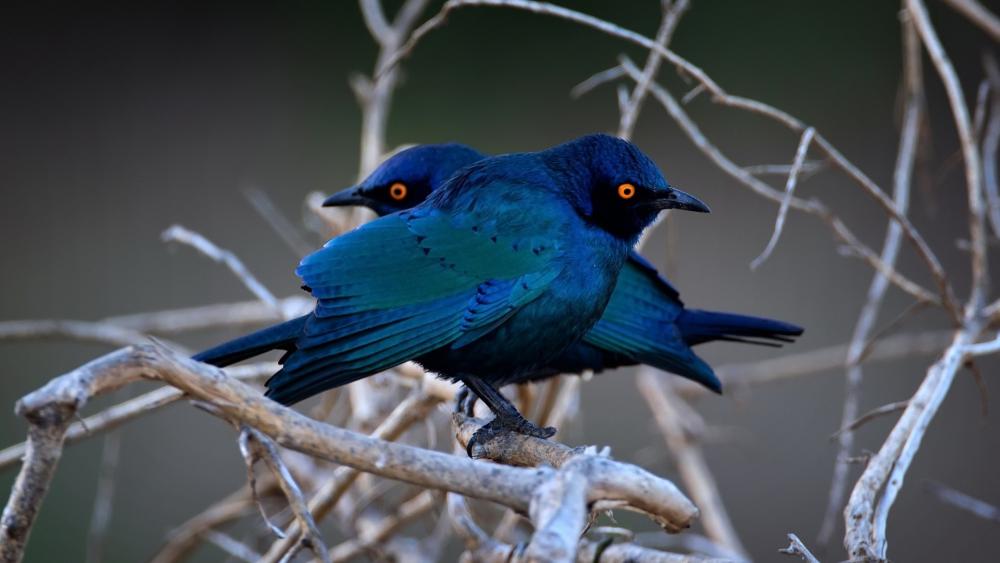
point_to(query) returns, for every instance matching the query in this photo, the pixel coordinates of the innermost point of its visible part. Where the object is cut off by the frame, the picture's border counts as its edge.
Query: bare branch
(408, 512)
(597, 79)
(255, 446)
(416, 407)
(963, 501)
(378, 100)
(966, 136)
(86, 331)
(185, 538)
(735, 377)
(991, 144)
(228, 544)
(877, 412)
(758, 186)
(793, 177)
(687, 456)
(865, 537)
(809, 168)
(382, 32)
(721, 97)
(104, 498)
(797, 548)
(979, 15)
(288, 233)
(672, 13)
(245, 313)
(631, 487)
(984, 348)
(902, 175)
(177, 233)
(119, 414)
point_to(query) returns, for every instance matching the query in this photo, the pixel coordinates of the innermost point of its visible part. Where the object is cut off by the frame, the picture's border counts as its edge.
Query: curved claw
(476, 447)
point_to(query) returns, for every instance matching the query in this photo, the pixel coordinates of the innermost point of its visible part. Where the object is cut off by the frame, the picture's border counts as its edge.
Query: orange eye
(397, 191)
(626, 191)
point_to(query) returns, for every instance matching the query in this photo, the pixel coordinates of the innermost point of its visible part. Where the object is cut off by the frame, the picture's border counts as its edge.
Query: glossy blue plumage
(496, 273)
(644, 322)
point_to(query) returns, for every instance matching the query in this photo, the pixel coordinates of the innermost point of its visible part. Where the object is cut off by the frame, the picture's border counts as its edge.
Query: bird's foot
(501, 425)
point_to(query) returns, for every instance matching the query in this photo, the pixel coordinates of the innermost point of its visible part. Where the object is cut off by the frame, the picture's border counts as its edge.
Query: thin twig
(689, 459)
(177, 233)
(963, 501)
(228, 544)
(183, 539)
(797, 548)
(672, 13)
(125, 411)
(415, 408)
(902, 181)
(984, 348)
(760, 187)
(979, 15)
(597, 79)
(966, 136)
(256, 446)
(104, 498)
(871, 415)
(240, 314)
(991, 143)
(865, 524)
(287, 231)
(793, 177)
(721, 97)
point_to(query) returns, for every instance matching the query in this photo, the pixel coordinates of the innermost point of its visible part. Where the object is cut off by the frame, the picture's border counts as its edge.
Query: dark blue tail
(278, 337)
(698, 327)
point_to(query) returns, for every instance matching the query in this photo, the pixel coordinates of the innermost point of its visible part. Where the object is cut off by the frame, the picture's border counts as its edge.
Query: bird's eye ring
(397, 191)
(626, 191)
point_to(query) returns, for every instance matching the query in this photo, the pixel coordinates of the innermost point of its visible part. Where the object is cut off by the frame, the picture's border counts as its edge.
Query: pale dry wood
(415, 408)
(673, 420)
(979, 15)
(49, 409)
(186, 537)
(86, 331)
(409, 511)
(877, 412)
(991, 143)
(738, 377)
(864, 539)
(865, 325)
(760, 187)
(672, 13)
(115, 416)
(798, 549)
(183, 235)
(239, 314)
(793, 178)
(257, 447)
(967, 140)
(963, 501)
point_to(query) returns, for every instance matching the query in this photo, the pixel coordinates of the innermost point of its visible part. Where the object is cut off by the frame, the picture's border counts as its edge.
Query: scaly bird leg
(507, 418)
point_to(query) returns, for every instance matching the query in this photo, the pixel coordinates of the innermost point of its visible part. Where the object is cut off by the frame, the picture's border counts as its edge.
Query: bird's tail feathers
(281, 336)
(697, 327)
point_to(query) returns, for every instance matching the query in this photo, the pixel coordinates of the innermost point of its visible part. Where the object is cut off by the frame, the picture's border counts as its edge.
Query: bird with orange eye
(385, 191)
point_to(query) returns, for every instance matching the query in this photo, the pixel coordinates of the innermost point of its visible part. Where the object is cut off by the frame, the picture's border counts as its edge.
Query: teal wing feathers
(402, 286)
(639, 322)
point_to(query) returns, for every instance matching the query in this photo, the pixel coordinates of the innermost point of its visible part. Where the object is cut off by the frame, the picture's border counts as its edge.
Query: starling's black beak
(350, 196)
(676, 199)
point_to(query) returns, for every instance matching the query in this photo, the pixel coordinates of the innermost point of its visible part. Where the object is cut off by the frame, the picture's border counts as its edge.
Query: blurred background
(118, 122)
